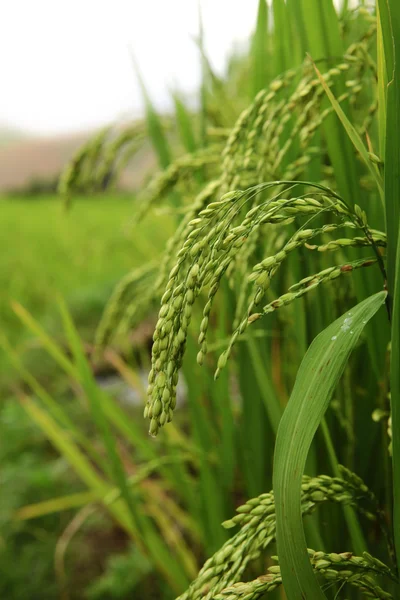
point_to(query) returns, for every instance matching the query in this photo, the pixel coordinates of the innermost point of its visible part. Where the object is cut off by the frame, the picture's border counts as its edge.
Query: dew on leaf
(346, 324)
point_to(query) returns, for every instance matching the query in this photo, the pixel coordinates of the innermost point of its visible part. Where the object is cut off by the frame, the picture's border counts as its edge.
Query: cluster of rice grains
(234, 219)
(212, 248)
(223, 229)
(336, 569)
(99, 162)
(273, 139)
(218, 579)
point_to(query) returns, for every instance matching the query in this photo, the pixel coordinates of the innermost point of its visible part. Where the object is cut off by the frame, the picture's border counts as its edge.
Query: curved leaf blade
(352, 133)
(316, 380)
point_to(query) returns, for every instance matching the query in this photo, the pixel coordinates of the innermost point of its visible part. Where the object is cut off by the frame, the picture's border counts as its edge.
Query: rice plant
(284, 264)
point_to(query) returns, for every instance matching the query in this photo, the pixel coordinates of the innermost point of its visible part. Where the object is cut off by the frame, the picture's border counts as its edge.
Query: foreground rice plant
(285, 219)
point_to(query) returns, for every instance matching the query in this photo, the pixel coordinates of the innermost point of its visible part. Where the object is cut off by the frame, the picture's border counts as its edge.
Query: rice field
(265, 250)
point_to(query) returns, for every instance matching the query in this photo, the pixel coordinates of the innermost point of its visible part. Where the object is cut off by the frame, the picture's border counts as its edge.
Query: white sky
(65, 64)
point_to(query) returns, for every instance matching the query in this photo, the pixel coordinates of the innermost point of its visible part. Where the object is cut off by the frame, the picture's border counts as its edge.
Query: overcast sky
(65, 64)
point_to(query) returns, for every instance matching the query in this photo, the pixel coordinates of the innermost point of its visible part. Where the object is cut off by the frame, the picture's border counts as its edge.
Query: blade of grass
(392, 146)
(184, 122)
(47, 507)
(382, 84)
(203, 85)
(295, 11)
(280, 31)
(210, 489)
(80, 498)
(256, 433)
(259, 50)
(316, 380)
(324, 43)
(352, 133)
(272, 405)
(323, 29)
(154, 125)
(223, 409)
(389, 13)
(395, 406)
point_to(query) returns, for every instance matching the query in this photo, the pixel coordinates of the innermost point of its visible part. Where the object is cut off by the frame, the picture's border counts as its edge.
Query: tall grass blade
(316, 380)
(390, 21)
(281, 33)
(154, 125)
(382, 82)
(352, 133)
(259, 50)
(204, 78)
(324, 42)
(395, 405)
(184, 121)
(269, 395)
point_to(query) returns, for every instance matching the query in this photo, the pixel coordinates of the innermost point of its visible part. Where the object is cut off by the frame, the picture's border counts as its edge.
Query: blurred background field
(46, 253)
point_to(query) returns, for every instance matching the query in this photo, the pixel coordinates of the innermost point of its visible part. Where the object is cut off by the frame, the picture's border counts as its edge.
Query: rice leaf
(395, 405)
(352, 133)
(154, 125)
(259, 50)
(316, 380)
(382, 83)
(389, 13)
(204, 79)
(281, 32)
(184, 121)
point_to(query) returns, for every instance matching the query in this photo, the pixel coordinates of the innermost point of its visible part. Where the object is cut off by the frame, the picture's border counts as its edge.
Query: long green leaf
(259, 50)
(391, 34)
(352, 133)
(184, 121)
(389, 87)
(323, 41)
(316, 380)
(395, 404)
(382, 82)
(154, 125)
(280, 32)
(392, 146)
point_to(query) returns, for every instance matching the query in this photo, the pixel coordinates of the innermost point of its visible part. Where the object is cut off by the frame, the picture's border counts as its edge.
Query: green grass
(268, 244)
(80, 254)
(46, 252)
